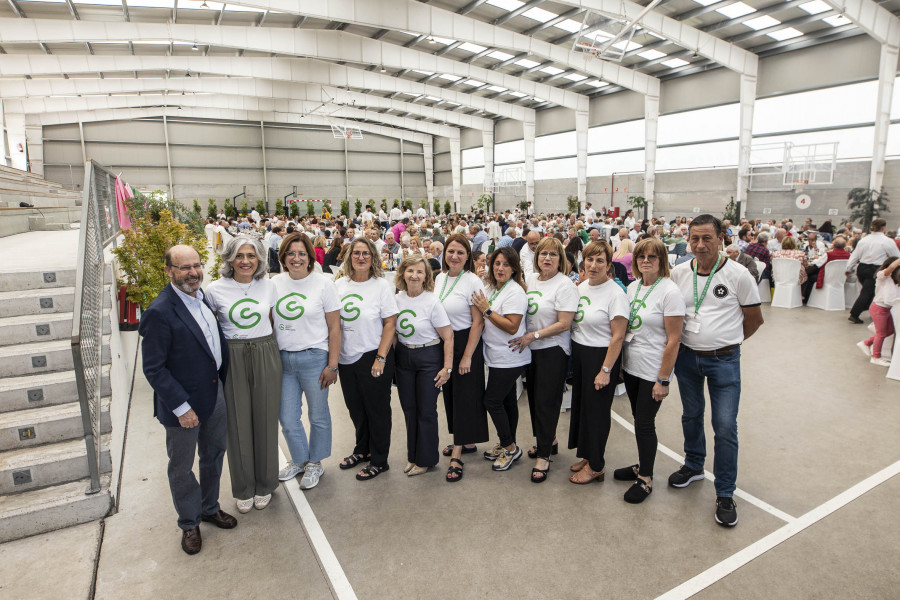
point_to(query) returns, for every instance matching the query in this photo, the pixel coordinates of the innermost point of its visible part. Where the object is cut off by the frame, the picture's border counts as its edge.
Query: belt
(433, 342)
(726, 351)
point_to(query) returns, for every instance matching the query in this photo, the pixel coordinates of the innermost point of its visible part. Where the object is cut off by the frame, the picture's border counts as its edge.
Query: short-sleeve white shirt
(510, 301)
(300, 308)
(598, 305)
(644, 351)
(545, 300)
(456, 296)
(418, 318)
(242, 309)
(364, 305)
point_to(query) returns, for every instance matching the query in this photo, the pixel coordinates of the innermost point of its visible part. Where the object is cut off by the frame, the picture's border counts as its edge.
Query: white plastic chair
(335, 268)
(852, 288)
(763, 284)
(831, 295)
(672, 259)
(894, 369)
(485, 246)
(786, 272)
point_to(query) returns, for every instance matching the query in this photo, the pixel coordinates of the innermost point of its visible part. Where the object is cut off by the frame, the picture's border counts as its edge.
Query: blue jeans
(723, 380)
(300, 375)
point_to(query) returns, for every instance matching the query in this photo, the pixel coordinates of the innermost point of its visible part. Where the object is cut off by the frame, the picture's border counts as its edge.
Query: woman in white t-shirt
(308, 330)
(656, 318)
(366, 362)
(503, 305)
(552, 302)
(887, 290)
(598, 331)
(463, 393)
(242, 300)
(423, 363)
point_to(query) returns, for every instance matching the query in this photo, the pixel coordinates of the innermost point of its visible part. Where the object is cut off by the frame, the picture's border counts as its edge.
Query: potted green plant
(573, 204)
(279, 207)
(866, 205)
(447, 207)
(211, 210)
(639, 204)
(310, 209)
(436, 208)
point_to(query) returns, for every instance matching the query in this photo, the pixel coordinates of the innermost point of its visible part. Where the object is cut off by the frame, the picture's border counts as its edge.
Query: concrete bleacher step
(42, 357)
(51, 464)
(34, 280)
(48, 425)
(37, 328)
(38, 200)
(34, 302)
(52, 508)
(44, 389)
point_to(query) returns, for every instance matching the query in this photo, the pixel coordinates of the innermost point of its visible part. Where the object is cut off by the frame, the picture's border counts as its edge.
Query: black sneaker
(726, 512)
(684, 477)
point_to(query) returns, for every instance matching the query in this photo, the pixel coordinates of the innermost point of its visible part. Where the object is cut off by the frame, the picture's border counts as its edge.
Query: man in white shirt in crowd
(375, 238)
(775, 243)
(594, 234)
(629, 219)
(526, 255)
(868, 254)
(367, 215)
(617, 239)
(437, 251)
(396, 214)
(254, 214)
(635, 232)
(421, 213)
(589, 213)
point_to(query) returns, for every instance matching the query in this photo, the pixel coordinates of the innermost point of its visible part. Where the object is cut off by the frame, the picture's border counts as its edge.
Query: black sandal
(532, 453)
(542, 472)
(371, 472)
(448, 451)
(351, 461)
(638, 492)
(455, 470)
(626, 473)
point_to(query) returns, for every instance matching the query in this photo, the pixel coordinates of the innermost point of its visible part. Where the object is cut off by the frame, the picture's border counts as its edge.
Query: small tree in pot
(866, 205)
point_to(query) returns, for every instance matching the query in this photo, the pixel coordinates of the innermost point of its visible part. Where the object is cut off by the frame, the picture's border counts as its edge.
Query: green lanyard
(699, 300)
(443, 296)
(637, 305)
(497, 293)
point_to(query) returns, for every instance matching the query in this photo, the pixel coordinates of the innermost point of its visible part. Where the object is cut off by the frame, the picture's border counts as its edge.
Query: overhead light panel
(194, 47)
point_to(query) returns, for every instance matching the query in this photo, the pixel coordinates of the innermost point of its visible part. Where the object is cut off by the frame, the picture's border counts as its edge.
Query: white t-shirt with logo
(510, 301)
(721, 319)
(300, 308)
(457, 297)
(242, 309)
(363, 306)
(545, 299)
(598, 305)
(418, 318)
(644, 353)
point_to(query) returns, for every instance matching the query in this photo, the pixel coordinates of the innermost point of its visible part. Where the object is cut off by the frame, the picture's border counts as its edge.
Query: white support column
(34, 136)
(528, 134)
(81, 137)
(4, 156)
(15, 134)
(748, 99)
(262, 133)
(487, 143)
(346, 169)
(455, 160)
(887, 69)
(428, 152)
(651, 121)
(402, 173)
(168, 158)
(581, 145)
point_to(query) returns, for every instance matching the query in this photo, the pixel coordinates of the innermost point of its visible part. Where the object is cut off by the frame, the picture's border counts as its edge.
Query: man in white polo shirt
(723, 310)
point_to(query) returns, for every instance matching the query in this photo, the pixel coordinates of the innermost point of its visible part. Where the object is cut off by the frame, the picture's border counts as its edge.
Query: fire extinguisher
(128, 312)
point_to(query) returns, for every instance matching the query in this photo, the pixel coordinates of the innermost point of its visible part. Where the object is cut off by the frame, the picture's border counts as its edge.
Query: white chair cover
(786, 272)
(485, 246)
(334, 268)
(852, 288)
(831, 295)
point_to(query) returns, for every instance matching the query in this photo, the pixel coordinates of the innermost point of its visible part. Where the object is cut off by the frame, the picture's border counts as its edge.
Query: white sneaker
(290, 471)
(260, 502)
(881, 362)
(244, 506)
(311, 474)
(867, 350)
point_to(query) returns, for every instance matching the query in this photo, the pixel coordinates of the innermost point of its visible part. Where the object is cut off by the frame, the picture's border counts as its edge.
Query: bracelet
(332, 369)
(380, 358)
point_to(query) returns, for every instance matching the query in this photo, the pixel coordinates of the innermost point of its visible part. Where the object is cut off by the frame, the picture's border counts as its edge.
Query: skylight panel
(815, 7)
(837, 20)
(445, 41)
(152, 3)
(733, 11)
(539, 14)
(496, 88)
(652, 54)
(785, 34)
(423, 72)
(630, 45)
(236, 8)
(705, 2)
(449, 77)
(103, 2)
(500, 55)
(596, 83)
(518, 94)
(569, 25)
(432, 98)
(470, 47)
(60, 1)
(575, 77)
(674, 63)
(528, 64)
(506, 4)
(762, 22)
(550, 70)
(473, 82)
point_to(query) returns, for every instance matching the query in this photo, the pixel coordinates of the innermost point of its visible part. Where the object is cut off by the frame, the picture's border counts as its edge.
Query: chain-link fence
(99, 228)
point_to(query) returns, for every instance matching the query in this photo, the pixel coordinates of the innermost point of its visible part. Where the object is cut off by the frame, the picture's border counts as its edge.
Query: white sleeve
(747, 289)
(618, 304)
(439, 316)
(515, 304)
(388, 301)
(673, 303)
(330, 302)
(567, 297)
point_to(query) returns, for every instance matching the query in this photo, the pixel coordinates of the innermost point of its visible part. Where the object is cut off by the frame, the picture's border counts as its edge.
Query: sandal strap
(456, 460)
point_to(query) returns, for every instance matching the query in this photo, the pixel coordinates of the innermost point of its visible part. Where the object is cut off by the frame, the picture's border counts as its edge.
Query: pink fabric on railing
(123, 192)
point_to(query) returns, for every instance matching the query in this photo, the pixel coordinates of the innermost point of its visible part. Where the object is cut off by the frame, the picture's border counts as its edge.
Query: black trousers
(545, 383)
(464, 395)
(865, 274)
(369, 401)
(590, 412)
(643, 409)
(416, 370)
(501, 401)
(812, 274)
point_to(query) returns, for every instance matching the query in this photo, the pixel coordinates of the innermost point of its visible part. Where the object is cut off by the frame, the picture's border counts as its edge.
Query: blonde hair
(625, 246)
(347, 264)
(652, 245)
(409, 261)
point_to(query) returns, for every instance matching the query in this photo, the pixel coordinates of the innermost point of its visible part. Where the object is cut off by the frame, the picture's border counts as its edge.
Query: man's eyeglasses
(188, 268)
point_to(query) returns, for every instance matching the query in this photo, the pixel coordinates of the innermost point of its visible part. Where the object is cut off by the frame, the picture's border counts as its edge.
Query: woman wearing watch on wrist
(504, 305)
(552, 302)
(308, 330)
(366, 362)
(651, 348)
(424, 364)
(598, 331)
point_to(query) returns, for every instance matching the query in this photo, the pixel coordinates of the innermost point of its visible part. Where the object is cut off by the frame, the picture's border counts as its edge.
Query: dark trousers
(501, 402)
(545, 383)
(368, 400)
(194, 499)
(865, 274)
(643, 409)
(464, 395)
(812, 274)
(590, 413)
(416, 370)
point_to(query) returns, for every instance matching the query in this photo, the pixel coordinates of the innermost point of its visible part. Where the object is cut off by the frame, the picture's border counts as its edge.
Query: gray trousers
(208, 441)
(253, 398)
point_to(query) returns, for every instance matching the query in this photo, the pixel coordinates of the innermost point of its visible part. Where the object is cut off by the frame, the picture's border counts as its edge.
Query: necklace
(241, 286)
(497, 293)
(442, 296)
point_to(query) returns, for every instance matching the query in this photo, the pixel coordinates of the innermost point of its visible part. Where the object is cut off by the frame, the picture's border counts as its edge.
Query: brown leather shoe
(221, 519)
(191, 541)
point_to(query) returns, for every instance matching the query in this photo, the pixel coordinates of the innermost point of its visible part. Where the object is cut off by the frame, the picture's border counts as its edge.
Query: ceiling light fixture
(194, 47)
(431, 40)
(204, 5)
(383, 69)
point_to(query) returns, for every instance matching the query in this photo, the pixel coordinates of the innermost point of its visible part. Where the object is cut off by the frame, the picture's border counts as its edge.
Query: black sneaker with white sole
(684, 477)
(726, 512)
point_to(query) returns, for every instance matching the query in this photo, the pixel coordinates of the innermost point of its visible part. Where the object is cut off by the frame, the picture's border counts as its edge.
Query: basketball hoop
(349, 133)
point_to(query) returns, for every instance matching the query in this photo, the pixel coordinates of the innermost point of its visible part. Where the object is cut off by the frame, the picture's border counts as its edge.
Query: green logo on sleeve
(349, 308)
(289, 308)
(403, 324)
(579, 314)
(533, 305)
(248, 317)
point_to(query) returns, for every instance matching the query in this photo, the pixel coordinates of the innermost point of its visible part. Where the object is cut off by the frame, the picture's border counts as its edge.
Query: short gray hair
(231, 250)
(762, 237)
(733, 248)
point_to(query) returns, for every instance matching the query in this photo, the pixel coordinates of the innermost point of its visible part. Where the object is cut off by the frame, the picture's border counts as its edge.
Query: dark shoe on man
(684, 477)
(191, 541)
(221, 519)
(726, 512)
(854, 320)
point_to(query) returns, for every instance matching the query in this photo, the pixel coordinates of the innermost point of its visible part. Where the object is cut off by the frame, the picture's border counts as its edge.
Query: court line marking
(743, 495)
(328, 561)
(737, 560)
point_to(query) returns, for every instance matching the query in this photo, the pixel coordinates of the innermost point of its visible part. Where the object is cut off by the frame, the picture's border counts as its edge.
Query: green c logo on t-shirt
(579, 314)
(636, 320)
(249, 317)
(404, 324)
(288, 308)
(350, 308)
(533, 306)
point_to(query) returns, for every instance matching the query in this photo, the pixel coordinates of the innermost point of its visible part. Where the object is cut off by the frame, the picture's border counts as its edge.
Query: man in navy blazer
(185, 360)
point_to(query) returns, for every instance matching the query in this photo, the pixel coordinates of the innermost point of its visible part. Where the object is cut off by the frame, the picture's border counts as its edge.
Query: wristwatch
(664, 382)
(380, 358)
(333, 369)
(449, 371)
(488, 312)
(605, 369)
(537, 335)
